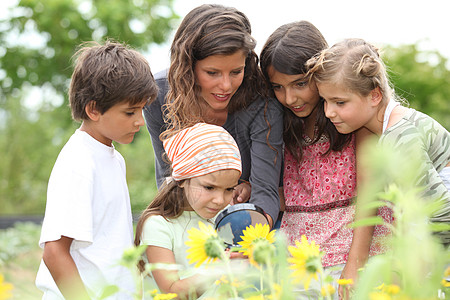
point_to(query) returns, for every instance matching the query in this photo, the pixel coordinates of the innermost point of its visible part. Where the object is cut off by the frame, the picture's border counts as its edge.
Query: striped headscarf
(200, 150)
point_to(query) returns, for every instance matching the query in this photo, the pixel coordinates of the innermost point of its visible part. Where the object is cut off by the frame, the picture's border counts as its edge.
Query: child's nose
(291, 98)
(219, 198)
(329, 112)
(140, 120)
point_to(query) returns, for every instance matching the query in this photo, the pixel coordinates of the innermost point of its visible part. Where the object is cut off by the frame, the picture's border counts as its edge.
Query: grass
(20, 256)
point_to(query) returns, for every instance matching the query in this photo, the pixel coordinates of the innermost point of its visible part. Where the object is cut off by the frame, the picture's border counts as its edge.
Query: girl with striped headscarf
(206, 166)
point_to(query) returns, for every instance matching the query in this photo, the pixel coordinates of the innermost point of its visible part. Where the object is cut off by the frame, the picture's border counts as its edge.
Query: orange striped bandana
(200, 150)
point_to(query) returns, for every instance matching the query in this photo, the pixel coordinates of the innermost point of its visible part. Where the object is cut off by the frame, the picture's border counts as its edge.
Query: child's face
(119, 123)
(209, 194)
(219, 77)
(294, 92)
(347, 110)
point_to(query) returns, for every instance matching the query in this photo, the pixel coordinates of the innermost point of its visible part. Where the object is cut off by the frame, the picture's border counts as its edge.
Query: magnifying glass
(236, 218)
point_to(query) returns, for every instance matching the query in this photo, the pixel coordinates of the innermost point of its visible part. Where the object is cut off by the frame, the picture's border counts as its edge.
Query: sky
(381, 22)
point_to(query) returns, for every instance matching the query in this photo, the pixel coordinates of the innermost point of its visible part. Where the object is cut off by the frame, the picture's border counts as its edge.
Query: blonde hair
(354, 63)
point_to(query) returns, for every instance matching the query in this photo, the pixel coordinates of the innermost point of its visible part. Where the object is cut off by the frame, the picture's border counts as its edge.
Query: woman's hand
(241, 193)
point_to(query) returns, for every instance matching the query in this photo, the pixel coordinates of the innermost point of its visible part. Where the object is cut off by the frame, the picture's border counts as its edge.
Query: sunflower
(204, 244)
(306, 261)
(5, 289)
(257, 243)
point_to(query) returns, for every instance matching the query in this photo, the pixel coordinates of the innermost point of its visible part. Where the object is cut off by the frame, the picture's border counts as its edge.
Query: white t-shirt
(88, 200)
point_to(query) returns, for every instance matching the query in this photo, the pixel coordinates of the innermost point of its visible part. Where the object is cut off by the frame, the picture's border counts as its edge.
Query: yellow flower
(165, 296)
(252, 234)
(277, 292)
(257, 243)
(392, 289)
(223, 279)
(204, 244)
(344, 281)
(445, 283)
(327, 290)
(305, 260)
(379, 296)
(5, 289)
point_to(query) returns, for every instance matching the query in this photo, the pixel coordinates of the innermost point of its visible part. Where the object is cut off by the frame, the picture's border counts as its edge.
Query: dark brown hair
(287, 50)
(109, 74)
(209, 30)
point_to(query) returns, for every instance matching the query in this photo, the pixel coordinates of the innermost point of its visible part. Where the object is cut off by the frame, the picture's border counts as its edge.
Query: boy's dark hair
(109, 74)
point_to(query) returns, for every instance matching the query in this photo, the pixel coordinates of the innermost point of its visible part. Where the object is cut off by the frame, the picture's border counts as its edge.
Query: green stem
(226, 260)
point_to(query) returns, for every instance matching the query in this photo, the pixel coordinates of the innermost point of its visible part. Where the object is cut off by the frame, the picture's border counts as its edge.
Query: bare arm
(62, 267)
(362, 235)
(169, 281)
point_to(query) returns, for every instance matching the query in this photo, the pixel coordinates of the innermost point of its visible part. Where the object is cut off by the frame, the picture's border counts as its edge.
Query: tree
(422, 78)
(37, 42)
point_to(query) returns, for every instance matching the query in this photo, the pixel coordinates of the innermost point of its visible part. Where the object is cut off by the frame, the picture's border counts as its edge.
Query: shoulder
(418, 121)
(156, 220)
(266, 104)
(162, 82)
(76, 153)
(262, 110)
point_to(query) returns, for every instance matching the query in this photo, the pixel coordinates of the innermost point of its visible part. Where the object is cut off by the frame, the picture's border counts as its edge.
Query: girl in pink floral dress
(319, 178)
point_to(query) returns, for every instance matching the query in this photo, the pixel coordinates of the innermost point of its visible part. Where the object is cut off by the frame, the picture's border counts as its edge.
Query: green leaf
(109, 291)
(367, 222)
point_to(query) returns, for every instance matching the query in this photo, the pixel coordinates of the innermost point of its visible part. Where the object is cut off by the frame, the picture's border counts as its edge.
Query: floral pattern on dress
(319, 184)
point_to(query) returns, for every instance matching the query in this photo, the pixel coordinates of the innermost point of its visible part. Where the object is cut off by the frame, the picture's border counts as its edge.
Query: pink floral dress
(320, 195)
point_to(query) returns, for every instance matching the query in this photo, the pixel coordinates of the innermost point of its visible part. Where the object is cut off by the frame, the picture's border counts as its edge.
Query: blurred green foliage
(422, 78)
(37, 42)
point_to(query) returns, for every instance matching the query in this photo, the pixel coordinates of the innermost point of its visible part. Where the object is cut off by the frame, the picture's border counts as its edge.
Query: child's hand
(350, 271)
(235, 254)
(241, 193)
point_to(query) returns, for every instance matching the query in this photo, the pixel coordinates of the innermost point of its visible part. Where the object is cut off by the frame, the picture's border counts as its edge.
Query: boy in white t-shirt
(88, 222)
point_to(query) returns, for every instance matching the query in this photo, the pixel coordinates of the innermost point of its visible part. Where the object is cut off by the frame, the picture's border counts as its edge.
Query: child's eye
(301, 84)
(276, 87)
(230, 189)
(208, 188)
(130, 113)
(340, 103)
(212, 73)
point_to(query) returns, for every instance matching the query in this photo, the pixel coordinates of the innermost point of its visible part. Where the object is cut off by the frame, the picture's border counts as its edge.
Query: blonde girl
(352, 79)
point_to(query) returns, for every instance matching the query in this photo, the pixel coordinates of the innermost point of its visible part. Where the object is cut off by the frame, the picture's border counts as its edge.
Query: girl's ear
(182, 184)
(91, 111)
(376, 96)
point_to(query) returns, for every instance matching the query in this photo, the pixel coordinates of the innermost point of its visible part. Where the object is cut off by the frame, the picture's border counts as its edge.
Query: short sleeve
(158, 232)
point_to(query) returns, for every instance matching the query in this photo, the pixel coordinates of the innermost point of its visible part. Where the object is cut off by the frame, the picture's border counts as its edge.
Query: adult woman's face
(219, 77)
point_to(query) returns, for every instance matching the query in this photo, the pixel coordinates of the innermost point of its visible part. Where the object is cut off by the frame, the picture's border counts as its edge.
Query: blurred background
(38, 38)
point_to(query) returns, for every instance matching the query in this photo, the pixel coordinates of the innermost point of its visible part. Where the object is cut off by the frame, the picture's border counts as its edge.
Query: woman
(214, 78)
